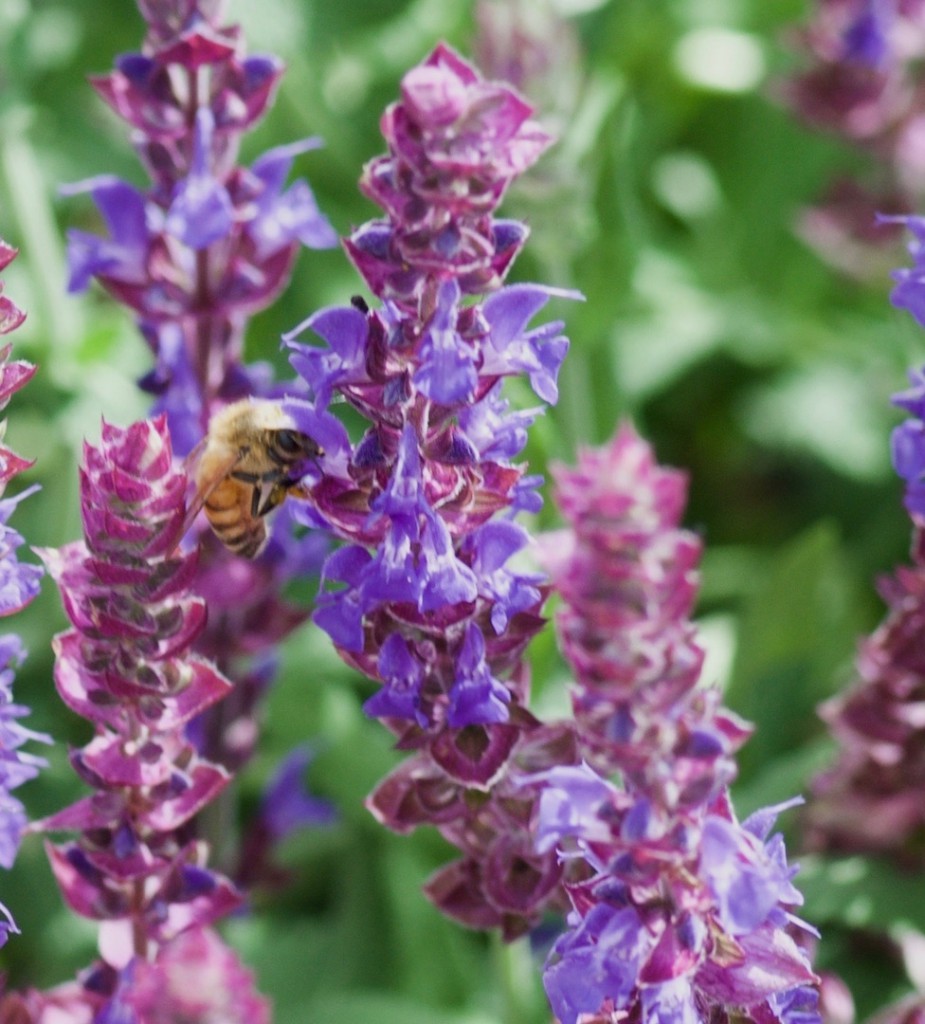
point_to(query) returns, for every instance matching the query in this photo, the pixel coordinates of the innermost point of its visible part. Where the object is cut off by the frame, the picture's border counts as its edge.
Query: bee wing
(207, 484)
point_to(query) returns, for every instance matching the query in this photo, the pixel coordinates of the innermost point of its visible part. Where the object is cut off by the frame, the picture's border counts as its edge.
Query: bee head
(296, 446)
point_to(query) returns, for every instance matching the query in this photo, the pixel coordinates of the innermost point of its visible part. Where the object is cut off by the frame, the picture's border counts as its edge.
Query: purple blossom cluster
(423, 596)
(158, 991)
(681, 912)
(861, 83)
(19, 584)
(908, 440)
(676, 910)
(209, 242)
(206, 245)
(125, 666)
(869, 798)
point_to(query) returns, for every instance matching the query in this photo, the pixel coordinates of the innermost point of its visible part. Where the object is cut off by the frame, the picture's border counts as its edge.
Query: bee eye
(288, 442)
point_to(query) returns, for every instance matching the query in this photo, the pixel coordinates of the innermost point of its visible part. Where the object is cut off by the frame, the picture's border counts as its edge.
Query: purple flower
(859, 60)
(286, 215)
(668, 899)
(402, 675)
(123, 256)
(596, 964)
(287, 805)
(19, 584)
(126, 666)
(628, 577)
(194, 254)
(447, 372)
(208, 237)
(866, 799)
(683, 911)
(200, 211)
(149, 991)
(867, 36)
(423, 596)
(908, 440)
(456, 141)
(476, 698)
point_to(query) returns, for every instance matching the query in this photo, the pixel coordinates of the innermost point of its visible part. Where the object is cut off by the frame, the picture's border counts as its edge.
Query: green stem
(517, 982)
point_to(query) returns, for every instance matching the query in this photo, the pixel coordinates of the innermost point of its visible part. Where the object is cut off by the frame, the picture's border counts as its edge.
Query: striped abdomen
(228, 509)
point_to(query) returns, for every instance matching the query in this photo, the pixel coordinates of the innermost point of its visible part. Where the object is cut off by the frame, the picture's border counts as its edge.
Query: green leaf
(375, 1008)
(861, 893)
(798, 629)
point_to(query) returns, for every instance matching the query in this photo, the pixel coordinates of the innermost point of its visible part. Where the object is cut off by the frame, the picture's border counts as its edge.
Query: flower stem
(516, 975)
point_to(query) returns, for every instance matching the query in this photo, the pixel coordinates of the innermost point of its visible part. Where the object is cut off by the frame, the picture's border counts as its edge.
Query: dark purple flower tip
(867, 37)
(194, 882)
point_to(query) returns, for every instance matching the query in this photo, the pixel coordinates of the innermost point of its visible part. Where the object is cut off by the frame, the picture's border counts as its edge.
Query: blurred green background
(670, 202)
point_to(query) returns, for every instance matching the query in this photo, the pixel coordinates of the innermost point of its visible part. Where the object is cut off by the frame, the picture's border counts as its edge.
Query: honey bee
(251, 459)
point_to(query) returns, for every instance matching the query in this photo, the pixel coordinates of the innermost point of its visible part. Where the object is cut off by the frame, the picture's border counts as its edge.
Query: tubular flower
(19, 584)
(126, 667)
(422, 596)
(678, 911)
(206, 245)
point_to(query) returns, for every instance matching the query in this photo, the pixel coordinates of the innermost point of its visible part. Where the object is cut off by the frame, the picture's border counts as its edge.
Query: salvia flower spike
(126, 666)
(680, 911)
(424, 596)
(19, 584)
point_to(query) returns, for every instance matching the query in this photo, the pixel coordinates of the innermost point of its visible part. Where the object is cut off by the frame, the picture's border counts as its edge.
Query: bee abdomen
(227, 510)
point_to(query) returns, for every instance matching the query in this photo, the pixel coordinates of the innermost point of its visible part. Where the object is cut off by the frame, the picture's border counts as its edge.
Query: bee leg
(265, 501)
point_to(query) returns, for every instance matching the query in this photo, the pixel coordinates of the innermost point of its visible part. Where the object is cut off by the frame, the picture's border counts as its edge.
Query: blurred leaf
(798, 629)
(862, 892)
(378, 1008)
